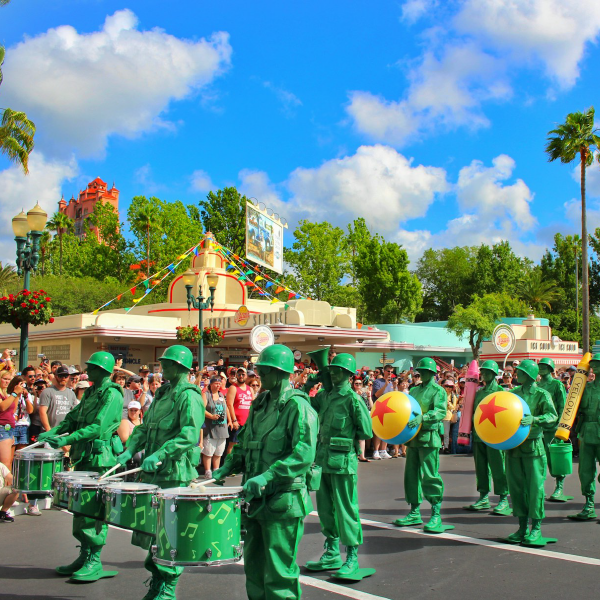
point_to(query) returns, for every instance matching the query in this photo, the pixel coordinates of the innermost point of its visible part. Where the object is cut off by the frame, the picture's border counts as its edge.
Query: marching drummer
(92, 427)
(169, 434)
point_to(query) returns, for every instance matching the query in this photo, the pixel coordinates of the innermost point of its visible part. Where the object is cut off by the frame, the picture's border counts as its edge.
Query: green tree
(62, 225)
(538, 292)
(45, 240)
(145, 218)
(497, 268)
(576, 139)
(8, 278)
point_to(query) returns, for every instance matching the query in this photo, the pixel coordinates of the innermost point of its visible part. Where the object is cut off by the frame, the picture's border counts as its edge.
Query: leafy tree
(45, 240)
(538, 292)
(497, 268)
(8, 278)
(144, 219)
(61, 224)
(576, 139)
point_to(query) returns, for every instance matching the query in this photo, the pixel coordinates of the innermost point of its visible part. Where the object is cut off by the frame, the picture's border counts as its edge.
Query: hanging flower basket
(188, 334)
(212, 336)
(27, 306)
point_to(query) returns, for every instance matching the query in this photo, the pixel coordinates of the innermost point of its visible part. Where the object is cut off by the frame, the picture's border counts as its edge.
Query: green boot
(330, 559)
(92, 568)
(350, 566)
(534, 537)
(482, 504)
(412, 518)
(557, 494)
(156, 581)
(519, 535)
(76, 564)
(503, 507)
(435, 525)
(168, 589)
(587, 513)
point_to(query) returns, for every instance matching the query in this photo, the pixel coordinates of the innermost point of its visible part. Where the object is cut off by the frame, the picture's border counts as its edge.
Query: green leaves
(16, 137)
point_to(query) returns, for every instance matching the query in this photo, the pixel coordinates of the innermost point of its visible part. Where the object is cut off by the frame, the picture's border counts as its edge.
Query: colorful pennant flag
(279, 289)
(171, 268)
(132, 290)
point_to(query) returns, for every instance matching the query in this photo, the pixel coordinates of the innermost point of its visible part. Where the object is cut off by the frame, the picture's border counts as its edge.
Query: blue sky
(428, 118)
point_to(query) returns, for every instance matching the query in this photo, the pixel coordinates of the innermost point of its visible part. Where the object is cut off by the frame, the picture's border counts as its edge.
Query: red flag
(292, 295)
(132, 290)
(279, 289)
(119, 297)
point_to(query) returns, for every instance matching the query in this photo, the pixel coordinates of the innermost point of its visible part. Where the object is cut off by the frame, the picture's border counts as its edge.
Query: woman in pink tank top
(239, 399)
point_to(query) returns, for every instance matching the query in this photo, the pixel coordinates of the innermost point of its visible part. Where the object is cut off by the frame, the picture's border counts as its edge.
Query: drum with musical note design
(33, 469)
(60, 498)
(129, 505)
(198, 527)
(85, 497)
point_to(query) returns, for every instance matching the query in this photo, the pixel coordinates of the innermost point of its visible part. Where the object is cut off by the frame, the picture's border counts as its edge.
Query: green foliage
(27, 306)
(537, 292)
(62, 224)
(16, 137)
(575, 138)
(8, 278)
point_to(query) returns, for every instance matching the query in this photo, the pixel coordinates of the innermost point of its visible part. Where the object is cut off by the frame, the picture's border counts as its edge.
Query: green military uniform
(343, 420)
(421, 473)
(558, 393)
(588, 428)
(169, 434)
(526, 464)
(92, 427)
(488, 460)
(276, 452)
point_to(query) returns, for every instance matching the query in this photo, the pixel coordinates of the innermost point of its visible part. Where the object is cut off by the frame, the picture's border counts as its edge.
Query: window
(57, 352)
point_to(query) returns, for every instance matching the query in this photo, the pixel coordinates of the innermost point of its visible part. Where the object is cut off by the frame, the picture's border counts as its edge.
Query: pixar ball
(497, 420)
(390, 416)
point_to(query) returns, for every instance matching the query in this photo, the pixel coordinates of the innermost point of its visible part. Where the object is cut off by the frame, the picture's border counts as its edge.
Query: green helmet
(547, 361)
(179, 354)
(104, 360)
(344, 361)
(530, 368)
(277, 356)
(427, 364)
(595, 358)
(490, 365)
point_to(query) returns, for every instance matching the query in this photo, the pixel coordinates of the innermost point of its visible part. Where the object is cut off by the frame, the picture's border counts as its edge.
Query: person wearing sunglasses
(57, 400)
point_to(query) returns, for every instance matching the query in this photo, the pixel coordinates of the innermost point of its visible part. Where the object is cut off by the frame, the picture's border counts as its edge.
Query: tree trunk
(585, 283)
(60, 245)
(148, 251)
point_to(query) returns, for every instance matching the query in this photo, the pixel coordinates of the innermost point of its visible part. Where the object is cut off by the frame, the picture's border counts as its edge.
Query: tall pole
(577, 288)
(201, 341)
(585, 289)
(24, 344)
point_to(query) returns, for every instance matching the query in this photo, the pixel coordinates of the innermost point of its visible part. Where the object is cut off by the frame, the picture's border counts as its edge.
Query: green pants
(89, 532)
(161, 570)
(337, 505)
(526, 476)
(270, 558)
(489, 460)
(422, 470)
(589, 455)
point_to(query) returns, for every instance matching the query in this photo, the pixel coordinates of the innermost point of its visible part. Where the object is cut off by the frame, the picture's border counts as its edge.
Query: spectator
(23, 409)
(36, 425)
(119, 378)
(239, 399)
(154, 383)
(254, 382)
(80, 390)
(364, 393)
(218, 418)
(380, 387)
(506, 382)
(28, 375)
(451, 412)
(133, 419)
(416, 380)
(73, 377)
(56, 401)
(133, 391)
(8, 404)
(7, 496)
(231, 377)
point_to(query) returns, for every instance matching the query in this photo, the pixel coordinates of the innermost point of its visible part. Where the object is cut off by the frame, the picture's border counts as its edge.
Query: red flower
(36, 311)
(41, 306)
(51, 320)
(23, 305)
(26, 293)
(47, 299)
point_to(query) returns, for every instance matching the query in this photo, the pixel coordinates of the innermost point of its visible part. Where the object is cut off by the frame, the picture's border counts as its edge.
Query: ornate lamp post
(28, 229)
(189, 278)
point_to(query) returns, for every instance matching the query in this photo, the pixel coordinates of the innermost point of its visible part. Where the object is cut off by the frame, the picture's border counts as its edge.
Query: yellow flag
(258, 278)
(136, 299)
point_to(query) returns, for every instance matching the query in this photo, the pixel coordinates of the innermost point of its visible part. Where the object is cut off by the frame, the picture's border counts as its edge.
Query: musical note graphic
(230, 534)
(222, 507)
(141, 509)
(165, 544)
(194, 528)
(193, 554)
(114, 513)
(215, 545)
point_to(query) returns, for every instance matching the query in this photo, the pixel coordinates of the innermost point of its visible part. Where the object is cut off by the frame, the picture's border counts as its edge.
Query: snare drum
(33, 470)
(198, 528)
(129, 505)
(59, 485)
(85, 497)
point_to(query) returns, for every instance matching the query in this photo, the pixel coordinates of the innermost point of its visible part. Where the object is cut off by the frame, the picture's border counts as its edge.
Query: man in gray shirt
(56, 401)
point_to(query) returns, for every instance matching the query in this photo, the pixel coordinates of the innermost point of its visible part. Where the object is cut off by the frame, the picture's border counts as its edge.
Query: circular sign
(241, 316)
(297, 354)
(504, 339)
(261, 337)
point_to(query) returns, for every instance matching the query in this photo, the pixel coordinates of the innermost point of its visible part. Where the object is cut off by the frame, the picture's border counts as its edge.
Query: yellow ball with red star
(497, 420)
(390, 416)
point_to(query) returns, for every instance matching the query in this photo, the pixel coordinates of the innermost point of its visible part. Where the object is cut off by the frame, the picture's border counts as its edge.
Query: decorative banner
(264, 239)
(241, 316)
(261, 337)
(503, 339)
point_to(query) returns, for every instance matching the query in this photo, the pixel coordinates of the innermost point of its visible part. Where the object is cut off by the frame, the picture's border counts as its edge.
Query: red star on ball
(381, 407)
(489, 410)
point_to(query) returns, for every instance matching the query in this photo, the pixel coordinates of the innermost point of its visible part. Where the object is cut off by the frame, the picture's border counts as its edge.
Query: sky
(428, 118)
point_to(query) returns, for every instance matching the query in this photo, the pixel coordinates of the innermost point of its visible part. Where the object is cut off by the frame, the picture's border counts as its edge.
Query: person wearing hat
(423, 451)
(487, 459)
(276, 453)
(80, 388)
(588, 430)
(558, 394)
(169, 435)
(526, 464)
(92, 427)
(344, 420)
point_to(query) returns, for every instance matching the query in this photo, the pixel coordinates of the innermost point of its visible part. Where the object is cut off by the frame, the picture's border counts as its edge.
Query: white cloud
(43, 185)
(201, 181)
(376, 183)
(554, 32)
(592, 179)
(80, 88)
(256, 184)
(289, 102)
(413, 10)
(145, 177)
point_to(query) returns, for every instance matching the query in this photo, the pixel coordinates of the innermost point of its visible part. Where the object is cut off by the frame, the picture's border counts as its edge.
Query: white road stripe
(338, 589)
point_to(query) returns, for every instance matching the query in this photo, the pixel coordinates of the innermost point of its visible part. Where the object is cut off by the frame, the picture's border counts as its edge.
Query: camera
(13, 352)
(41, 356)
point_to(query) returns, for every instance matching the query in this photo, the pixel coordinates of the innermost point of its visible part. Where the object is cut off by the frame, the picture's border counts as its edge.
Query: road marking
(338, 589)
(584, 560)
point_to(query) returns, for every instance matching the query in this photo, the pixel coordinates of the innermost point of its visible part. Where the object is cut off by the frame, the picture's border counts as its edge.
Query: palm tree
(8, 278)
(537, 292)
(61, 224)
(576, 138)
(144, 219)
(45, 240)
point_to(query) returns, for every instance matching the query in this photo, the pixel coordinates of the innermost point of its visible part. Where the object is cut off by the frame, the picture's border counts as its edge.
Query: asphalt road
(467, 562)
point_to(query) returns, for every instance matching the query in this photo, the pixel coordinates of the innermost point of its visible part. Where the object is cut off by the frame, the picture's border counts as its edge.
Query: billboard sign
(264, 239)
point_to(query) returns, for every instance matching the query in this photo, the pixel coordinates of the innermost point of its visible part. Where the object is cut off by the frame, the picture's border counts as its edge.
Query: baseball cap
(515, 363)
(462, 380)
(241, 369)
(134, 404)
(62, 370)
(215, 380)
(572, 368)
(448, 382)
(40, 382)
(83, 377)
(72, 370)
(82, 385)
(133, 379)
(144, 368)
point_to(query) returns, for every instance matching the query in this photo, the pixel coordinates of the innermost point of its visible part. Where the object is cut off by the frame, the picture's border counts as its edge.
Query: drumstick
(109, 471)
(36, 444)
(129, 472)
(201, 483)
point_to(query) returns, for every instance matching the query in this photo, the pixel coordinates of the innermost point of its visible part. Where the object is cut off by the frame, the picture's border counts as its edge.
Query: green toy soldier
(588, 428)
(526, 464)
(169, 434)
(558, 393)
(275, 455)
(423, 451)
(92, 426)
(489, 459)
(343, 420)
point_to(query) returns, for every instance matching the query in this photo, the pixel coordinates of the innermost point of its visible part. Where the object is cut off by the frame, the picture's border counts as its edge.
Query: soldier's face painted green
(426, 375)
(96, 374)
(487, 376)
(523, 378)
(338, 375)
(595, 364)
(171, 369)
(271, 377)
(544, 370)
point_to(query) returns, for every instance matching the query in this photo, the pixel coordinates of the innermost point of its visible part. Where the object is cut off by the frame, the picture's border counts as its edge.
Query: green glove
(124, 458)
(415, 421)
(256, 486)
(527, 420)
(150, 464)
(43, 437)
(58, 442)
(219, 475)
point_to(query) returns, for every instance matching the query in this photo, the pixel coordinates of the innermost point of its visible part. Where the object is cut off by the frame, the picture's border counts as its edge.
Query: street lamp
(189, 278)
(28, 229)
